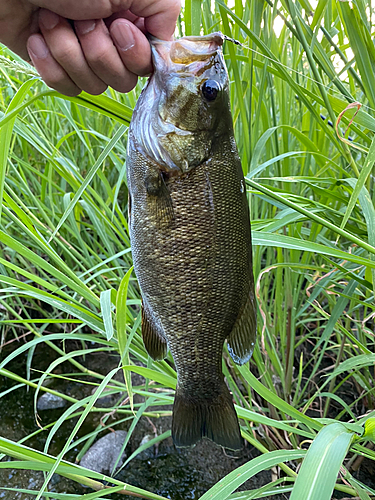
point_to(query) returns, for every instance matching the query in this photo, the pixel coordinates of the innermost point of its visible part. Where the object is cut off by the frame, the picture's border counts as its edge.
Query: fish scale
(190, 235)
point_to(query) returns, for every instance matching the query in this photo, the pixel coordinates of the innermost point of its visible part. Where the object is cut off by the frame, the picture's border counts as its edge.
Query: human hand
(106, 47)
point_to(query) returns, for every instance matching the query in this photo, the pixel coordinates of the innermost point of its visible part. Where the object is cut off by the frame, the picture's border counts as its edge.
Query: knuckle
(116, 4)
(54, 81)
(173, 7)
(65, 54)
(69, 90)
(97, 58)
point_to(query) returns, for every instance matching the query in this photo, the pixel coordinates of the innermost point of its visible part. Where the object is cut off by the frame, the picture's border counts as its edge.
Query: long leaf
(232, 481)
(317, 476)
(121, 322)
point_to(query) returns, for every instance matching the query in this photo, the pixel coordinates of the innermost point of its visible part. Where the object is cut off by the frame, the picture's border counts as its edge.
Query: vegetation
(65, 259)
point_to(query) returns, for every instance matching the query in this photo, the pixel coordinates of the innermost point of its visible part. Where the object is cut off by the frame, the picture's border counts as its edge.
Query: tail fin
(215, 419)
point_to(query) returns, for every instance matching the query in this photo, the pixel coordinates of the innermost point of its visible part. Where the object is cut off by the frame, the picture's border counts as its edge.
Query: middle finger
(66, 50)
(102, 56)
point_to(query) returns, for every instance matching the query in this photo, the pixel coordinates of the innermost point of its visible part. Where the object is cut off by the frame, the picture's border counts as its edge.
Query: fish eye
(210, 89)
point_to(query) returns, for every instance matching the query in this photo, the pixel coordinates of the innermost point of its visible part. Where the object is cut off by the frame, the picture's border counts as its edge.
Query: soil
(178, 474)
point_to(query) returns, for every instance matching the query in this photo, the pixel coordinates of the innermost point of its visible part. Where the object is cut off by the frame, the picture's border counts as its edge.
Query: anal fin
(155, 344)
(241, 341)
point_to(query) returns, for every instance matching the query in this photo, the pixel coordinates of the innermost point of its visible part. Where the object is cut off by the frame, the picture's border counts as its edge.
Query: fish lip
(188, 55)
(217, 37)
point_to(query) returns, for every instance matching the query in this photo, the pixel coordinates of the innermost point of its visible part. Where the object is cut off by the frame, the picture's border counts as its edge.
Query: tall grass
(65, 255)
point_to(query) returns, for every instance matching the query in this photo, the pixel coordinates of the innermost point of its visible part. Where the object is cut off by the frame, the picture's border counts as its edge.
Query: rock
(102, 456)
(148, 452)
(55, 479)
(105, 400)
(49, 401)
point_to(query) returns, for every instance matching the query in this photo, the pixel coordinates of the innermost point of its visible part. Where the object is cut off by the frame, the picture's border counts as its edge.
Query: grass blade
(6, 134)
(121, 322)
(106, 307)
(103, 155)
(232, 481)
(317, 476)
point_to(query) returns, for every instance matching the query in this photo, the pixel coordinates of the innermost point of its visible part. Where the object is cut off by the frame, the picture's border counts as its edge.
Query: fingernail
(48, 19)
(122, 35)
(37, 47)
(84, 27)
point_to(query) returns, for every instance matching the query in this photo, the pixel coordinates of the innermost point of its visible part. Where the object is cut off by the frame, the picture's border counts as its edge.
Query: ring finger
(50, 70)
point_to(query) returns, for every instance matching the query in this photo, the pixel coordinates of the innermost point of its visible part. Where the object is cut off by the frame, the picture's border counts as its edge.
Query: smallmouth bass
(190, 233)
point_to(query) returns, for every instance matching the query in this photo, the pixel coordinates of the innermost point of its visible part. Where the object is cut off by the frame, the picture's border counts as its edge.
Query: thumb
(83, 9)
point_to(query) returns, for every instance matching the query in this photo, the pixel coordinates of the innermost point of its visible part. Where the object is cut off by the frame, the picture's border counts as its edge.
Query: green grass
(65, 258)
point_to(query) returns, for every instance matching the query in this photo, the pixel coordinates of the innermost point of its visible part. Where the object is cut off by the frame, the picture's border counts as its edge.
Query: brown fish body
(191, 239)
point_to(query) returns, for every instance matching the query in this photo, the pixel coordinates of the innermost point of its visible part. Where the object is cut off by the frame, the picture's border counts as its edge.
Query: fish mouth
(191, 54)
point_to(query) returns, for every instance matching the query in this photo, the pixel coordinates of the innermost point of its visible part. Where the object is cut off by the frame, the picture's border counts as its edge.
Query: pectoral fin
(160, 196)
(155, 344)
(165, 212)
(241, 341)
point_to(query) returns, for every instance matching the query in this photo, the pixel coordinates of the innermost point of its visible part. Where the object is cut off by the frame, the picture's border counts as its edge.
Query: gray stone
(148, 452)
(102, 455)
(105, 400)
(49, 401)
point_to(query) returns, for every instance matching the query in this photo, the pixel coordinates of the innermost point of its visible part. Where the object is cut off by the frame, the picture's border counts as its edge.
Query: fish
(190, 233)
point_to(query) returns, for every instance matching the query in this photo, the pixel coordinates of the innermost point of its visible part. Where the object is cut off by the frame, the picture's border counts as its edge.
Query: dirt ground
(178, 474)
